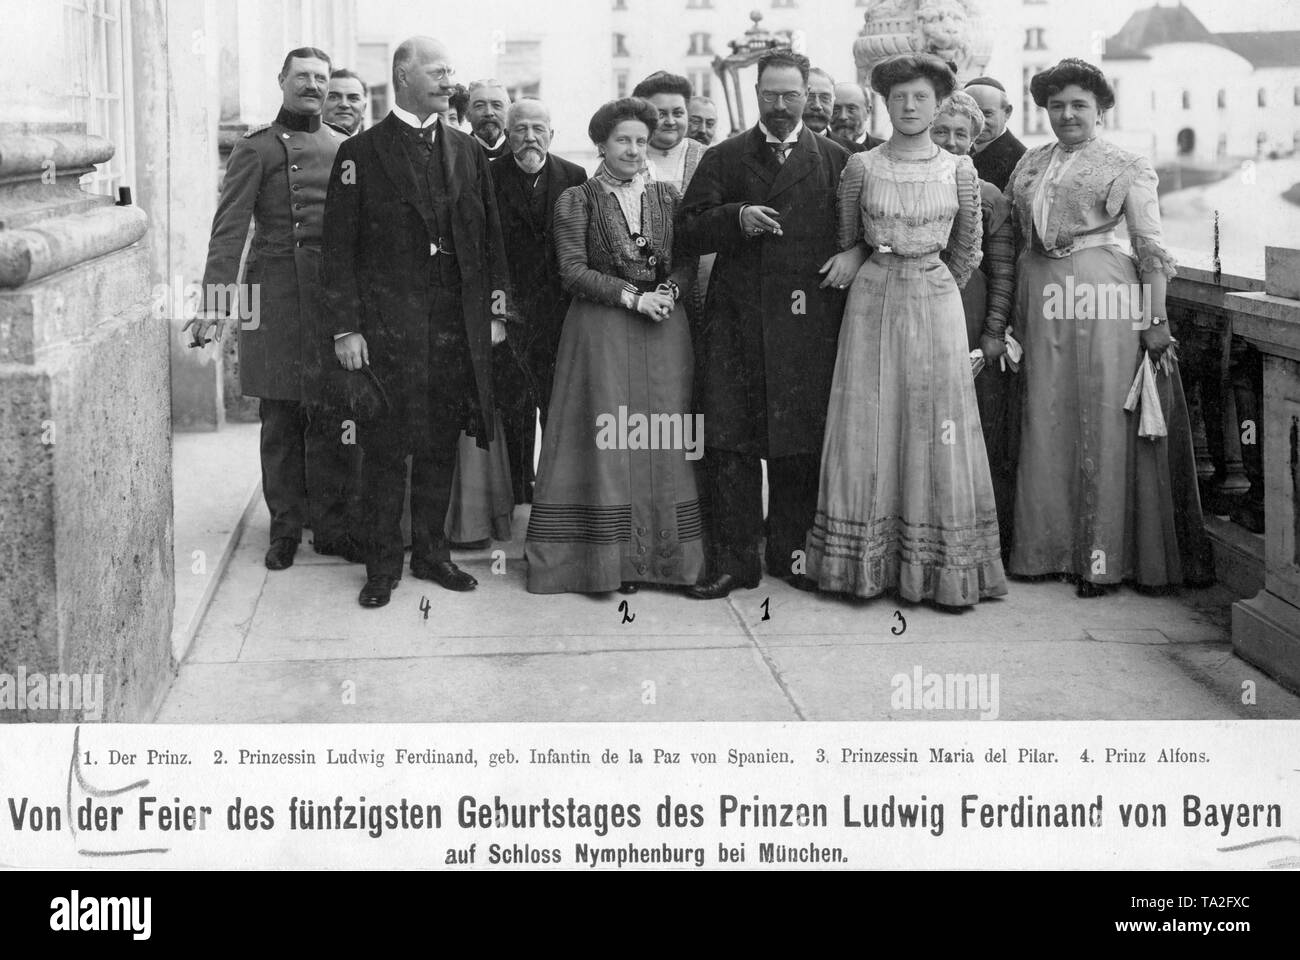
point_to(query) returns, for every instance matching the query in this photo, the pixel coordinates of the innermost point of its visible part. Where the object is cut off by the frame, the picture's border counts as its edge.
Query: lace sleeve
(1134, 191)
(571, 216)
(850, 201)
(964, 245)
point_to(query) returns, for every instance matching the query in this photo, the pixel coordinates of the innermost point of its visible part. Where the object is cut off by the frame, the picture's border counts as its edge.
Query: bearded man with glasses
(764, 202)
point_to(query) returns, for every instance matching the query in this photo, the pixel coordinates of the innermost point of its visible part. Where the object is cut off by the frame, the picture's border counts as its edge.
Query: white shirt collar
(861, 139)
(491, 146)
(771, 138)
(411, 120)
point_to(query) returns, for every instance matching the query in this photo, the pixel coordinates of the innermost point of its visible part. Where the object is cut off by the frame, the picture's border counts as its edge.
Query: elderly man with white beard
(529, 179)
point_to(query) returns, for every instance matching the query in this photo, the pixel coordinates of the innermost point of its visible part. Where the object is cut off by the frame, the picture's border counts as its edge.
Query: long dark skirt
(997, 394)
(607, 513)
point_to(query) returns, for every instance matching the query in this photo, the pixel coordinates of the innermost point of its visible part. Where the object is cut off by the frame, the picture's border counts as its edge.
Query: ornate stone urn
(953, 30)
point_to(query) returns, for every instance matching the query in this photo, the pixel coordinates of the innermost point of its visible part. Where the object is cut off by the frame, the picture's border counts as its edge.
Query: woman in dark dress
(987, 299)
(616, 502)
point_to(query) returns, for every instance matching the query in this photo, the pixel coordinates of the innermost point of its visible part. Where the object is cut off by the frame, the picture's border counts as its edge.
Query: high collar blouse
(1070, 199)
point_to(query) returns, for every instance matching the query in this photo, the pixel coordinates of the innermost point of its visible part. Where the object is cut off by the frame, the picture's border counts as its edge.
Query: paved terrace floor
(291, 645)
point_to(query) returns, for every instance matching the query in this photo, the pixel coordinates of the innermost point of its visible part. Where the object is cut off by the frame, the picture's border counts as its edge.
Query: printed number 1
(766, 614)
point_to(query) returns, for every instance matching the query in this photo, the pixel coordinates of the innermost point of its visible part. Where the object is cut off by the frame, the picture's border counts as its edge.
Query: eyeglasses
(790, 97)
(442, 73)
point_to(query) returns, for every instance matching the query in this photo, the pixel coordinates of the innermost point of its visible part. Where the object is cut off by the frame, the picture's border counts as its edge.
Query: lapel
(456, 164)
(554, 187)
(798, 164)
(515, 199)
(392, 157)
(757, 157)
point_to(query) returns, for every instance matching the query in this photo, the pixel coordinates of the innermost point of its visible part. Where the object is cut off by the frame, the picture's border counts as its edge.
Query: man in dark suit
(764, 201)
(415, 280)
(528, 182)
(849, 118)
(275, 179)
(821, 101)
(997, 151)
(485, 112)
(347, 102)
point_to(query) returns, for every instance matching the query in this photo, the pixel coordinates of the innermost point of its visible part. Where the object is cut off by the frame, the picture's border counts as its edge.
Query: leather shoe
(280, 555)
(444, 573)
(719, 587)
(627, 587)
(345, 548)
(377, 591)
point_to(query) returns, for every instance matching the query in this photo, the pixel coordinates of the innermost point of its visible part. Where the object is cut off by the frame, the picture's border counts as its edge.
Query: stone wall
(86, 582)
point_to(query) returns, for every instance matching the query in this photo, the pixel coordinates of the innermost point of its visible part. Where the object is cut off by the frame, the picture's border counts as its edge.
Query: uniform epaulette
(257, 129)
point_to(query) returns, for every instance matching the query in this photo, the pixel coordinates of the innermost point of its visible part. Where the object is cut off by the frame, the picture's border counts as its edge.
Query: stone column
(1266, 628)
(85, 436)
(175, 57)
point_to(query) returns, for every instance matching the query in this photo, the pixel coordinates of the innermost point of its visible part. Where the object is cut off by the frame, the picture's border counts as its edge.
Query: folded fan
(1143, 398)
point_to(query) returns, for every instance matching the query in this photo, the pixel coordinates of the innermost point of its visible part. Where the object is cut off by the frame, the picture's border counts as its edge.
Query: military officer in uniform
(276, 179)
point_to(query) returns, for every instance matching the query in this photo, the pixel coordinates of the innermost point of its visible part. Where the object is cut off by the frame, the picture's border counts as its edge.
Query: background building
(1191, 95)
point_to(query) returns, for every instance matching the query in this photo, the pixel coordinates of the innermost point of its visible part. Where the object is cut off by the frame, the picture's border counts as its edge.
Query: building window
(374, 64)
(701, 45)
(1261, 98)
(620, 45)
(701, 82)
(519, 67)
(1222, 99)
(1035, 117)
(99, 67)
(1034, 39)
(1187, 100)
(620, 83)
